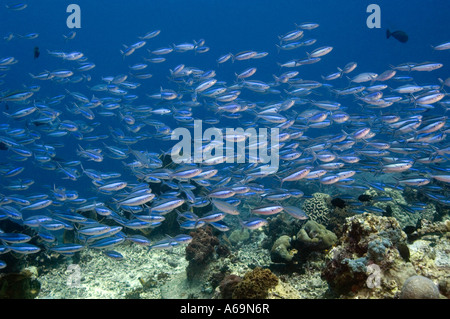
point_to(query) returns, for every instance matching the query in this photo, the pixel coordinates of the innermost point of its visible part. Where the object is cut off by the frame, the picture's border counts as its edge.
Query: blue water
(229, 26)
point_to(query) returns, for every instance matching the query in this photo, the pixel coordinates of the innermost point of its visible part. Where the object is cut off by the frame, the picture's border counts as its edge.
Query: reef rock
(367, 263)
(200, 250)
(227, 286)
(430, 256)
(23, 285)
(283, 290)
(419, 287)
(239, 236)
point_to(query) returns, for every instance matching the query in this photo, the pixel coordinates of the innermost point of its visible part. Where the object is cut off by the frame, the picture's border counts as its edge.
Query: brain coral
(281, 250)
(315, 236)
(317, 208)
(419, 287)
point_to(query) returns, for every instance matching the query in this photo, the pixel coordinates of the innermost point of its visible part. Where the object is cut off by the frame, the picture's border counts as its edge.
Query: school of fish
(343, 132)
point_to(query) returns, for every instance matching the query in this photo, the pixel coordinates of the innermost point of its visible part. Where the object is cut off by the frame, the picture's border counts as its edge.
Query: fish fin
(278, 48)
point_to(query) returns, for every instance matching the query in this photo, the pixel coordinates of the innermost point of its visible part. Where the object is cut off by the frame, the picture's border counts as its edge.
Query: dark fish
(388, 211)
(338, 202)
(399, 35)
(364, 198)
(36, 52)
(409, 229)
(404, 251)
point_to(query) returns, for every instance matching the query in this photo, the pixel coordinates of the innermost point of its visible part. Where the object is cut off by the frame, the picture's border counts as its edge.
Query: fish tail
(279, 179)
(388, 34)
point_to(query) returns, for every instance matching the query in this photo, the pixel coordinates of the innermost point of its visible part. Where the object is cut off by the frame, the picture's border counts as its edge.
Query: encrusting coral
(200, 250)
(227, 286)
(255, 284)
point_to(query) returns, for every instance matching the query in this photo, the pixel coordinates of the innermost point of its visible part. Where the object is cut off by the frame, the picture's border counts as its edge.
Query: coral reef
(394, 208)
(427, 228)
(281, 251)
(23, 285)
(238, 236)
(315, 237)
(312, 237)
(227, 286)
(255, 284)
(200, 250)
(337, 218)
(430, 254)
(280, 225)
(283, 290)
(419, 287)
(318, 208)
(367, 263)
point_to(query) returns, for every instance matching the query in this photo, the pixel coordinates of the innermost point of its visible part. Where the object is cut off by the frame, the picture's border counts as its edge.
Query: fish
(36, 52)
(16, 97)
(150, 35)
(113, 254)
(267, 209)
(137, 200)
(23, 248)
(398, 35)
(253, 223)
(14, 238)
(105, 140)
(19, 6)
(320, 52)
(106, 243)
(442, 46)
(67, 249)
(295, 212)
(225, 207)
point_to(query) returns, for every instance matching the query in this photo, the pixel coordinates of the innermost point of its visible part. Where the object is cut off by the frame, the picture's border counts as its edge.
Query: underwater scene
(224, 149)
